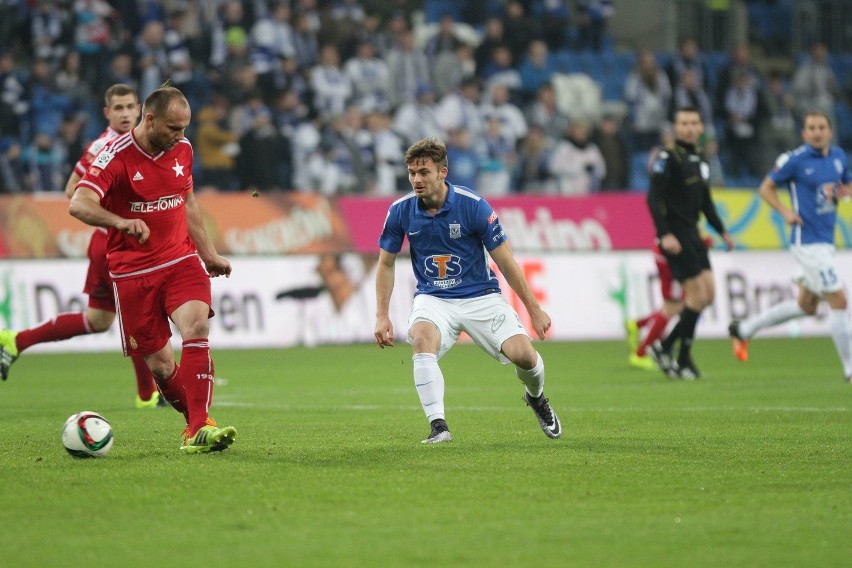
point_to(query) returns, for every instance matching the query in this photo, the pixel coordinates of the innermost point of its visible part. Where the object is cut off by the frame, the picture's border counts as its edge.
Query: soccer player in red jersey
(140, 189)
(121, 112)
(672, 305)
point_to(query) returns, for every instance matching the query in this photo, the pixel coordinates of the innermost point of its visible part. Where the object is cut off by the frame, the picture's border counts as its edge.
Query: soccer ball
(87, 435)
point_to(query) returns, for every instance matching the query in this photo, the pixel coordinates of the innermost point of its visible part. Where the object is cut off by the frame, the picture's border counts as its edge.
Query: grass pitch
(749, 466)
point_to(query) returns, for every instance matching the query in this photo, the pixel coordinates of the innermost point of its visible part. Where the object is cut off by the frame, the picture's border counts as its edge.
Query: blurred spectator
(451, 68)
(518, 29)
(743, 114)
(13, 94)
(592, 20)
(306, 40)
(536, 69)
(409, 69)
(555, 17)
(92, 35)
(70, 81)
(272, 40)
(814, 84)
(533, 162)
(463, 157)
(330, 86)
(610, 140)
(493, 38)
(50, 31)
(262, 163)
(780, 134)
(416, 120)
(11, 171)
(71, 136)
(444, 39)
(45, 160)
(152, 59)
(687, 58)
(216, 146)
(499, 160)
(229, 27)
(391, 177)
(544, 113)
(460, 110)
(391, 34)
(501, 70)
(370, 78)
(576, 161)
(48, 105)
(648, 96)
(179, 41)
(12, 23)
(688, 93)
(120, 70)
(740, 62)
(244, 115)
(289, 112)
(513, 125)
(345, 17)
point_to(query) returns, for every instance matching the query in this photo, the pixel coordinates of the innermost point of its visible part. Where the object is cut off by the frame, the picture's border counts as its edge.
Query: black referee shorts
(692, 260)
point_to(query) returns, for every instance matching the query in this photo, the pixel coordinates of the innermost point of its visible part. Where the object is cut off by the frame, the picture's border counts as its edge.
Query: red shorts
(145, 303)
(98, 283)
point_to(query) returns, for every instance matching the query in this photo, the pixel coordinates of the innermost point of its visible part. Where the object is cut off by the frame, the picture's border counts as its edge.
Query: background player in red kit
(672, 305)
(121, 112)
(140, 188)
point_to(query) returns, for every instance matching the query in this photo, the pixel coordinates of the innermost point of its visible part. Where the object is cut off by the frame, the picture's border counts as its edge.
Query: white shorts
(488, 320)
(816, 270)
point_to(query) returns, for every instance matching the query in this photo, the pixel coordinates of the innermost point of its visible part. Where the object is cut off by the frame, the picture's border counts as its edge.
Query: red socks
(196, 376)
(172, 389)
(63, 326)
(658, 326)
(145, 385)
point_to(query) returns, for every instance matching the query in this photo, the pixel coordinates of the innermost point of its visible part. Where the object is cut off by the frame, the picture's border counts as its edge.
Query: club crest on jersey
(103, 159)
(455, 230)
(178, 169)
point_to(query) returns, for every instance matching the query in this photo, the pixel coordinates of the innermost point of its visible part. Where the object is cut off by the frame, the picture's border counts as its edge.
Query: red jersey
(136, 185)
(92, 151)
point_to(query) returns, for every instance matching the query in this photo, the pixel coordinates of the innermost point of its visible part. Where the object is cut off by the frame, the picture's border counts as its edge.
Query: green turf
(748, 467)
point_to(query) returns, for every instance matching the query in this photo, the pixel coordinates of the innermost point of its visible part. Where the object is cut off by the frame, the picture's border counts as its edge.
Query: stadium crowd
(314, 95)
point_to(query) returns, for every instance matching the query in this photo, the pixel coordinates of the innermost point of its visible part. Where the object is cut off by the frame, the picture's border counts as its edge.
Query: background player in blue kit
(817, 173)
(449, 230)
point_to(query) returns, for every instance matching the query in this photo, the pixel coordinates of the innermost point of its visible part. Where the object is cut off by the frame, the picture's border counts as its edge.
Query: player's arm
(660, 178)
(384, 288)
(71, 184)
(712, 216)
(505, 260)
(86, 206)
(769, 193)
(215, 264)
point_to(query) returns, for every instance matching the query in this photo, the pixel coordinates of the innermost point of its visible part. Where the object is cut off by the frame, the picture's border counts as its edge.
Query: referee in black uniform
(679, 191)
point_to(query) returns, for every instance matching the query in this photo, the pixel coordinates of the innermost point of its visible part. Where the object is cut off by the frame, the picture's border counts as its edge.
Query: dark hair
(689, 108)
(428, 149)
(119, 90)
(157, 103)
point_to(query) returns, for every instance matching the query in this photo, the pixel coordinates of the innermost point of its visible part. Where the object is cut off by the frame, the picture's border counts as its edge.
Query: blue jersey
(813, 180)
(447, 250)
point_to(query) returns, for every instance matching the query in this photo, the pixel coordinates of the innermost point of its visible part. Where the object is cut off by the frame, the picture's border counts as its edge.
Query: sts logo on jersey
(444, 269)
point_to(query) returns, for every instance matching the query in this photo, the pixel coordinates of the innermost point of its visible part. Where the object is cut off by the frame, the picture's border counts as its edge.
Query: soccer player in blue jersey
(449, 229)
(817, 173)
